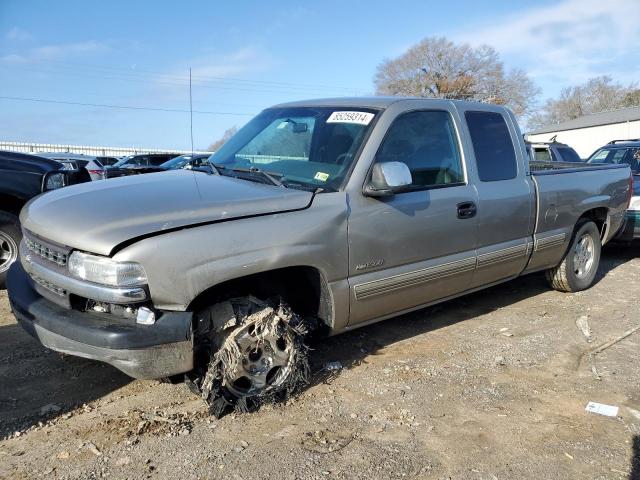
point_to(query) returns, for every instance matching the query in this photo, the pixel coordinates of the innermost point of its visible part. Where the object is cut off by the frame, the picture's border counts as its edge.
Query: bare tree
(439, 68)
(596, 95)
(228, 133)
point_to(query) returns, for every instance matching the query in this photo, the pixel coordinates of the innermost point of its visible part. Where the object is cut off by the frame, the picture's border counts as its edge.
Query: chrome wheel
(583, 256)
(266, 358)
(8, 251)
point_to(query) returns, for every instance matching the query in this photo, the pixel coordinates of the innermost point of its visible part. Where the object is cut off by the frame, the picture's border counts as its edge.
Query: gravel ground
(492, 385)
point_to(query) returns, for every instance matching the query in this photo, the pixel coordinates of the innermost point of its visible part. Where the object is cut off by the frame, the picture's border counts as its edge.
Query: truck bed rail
(539, 167)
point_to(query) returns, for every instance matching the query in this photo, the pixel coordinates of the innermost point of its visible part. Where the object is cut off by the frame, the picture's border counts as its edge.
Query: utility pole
(191, 110)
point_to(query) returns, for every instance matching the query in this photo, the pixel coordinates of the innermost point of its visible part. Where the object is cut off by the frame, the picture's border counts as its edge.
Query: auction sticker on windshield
(321, 176)
(360, 118)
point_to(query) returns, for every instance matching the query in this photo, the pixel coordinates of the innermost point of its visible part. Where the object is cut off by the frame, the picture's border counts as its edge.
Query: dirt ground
(489, 386)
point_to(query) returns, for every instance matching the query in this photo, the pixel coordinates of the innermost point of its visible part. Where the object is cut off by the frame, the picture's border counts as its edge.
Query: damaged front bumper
(141, 351)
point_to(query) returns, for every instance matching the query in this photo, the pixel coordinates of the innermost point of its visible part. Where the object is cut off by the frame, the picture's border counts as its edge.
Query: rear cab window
(492, 145)
(542, 154)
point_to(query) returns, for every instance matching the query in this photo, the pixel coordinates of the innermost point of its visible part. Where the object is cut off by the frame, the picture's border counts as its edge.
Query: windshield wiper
(270, 176)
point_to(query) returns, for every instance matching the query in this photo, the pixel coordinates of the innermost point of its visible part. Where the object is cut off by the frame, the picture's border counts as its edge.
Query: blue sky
(248, 55)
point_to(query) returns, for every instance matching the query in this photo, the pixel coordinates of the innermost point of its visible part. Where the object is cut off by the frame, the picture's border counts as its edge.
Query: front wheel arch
(304, 288)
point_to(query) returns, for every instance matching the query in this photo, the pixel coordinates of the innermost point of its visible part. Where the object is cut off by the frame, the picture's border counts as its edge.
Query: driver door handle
(467, 210)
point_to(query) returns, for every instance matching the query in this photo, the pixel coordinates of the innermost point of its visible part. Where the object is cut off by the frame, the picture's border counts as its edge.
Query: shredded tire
(229, 321)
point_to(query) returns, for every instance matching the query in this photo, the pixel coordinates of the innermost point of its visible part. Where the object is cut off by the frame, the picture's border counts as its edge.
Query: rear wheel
(10, 236)
(257, 354)
(578, 268)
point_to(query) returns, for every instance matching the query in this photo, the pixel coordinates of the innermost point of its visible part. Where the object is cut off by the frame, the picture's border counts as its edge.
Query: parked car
(108, 161)
(137, 164)
(318, 216)
(23, 177)
(77, 161)
(553, 151)
(624, 152)
(186, 161)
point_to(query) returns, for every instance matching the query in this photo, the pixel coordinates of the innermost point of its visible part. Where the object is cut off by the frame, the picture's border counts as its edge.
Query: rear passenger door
(416, 246)
(505, 196)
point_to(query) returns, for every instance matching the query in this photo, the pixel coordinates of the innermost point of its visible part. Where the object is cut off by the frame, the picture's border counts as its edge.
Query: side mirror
(388, 178)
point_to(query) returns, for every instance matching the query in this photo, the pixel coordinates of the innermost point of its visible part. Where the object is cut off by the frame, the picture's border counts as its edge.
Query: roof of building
(593, 120)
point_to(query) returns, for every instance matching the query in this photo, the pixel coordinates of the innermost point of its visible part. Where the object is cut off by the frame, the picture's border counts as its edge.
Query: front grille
(49, 286)
(46, 252)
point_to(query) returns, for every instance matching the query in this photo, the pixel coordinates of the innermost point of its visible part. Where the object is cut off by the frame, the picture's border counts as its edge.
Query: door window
(492, 145)
(426, 142)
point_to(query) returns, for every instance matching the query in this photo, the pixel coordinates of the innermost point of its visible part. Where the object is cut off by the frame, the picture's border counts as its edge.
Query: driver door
(418, 246)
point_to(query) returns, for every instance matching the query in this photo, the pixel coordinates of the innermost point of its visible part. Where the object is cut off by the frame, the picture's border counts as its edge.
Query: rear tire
(10, 236)
(578, 268)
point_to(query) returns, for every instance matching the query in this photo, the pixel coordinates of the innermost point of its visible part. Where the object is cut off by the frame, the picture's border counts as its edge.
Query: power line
(203, 78)
(162, 80)
(123, 77)
(125, 107)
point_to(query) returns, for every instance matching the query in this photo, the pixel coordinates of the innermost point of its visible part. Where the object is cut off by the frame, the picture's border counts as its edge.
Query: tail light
(630, 190)
(96, 172)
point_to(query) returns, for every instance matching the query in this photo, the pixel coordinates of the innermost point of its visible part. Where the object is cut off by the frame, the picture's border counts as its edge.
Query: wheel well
(599, 217)
(11, 204)
(303, 288)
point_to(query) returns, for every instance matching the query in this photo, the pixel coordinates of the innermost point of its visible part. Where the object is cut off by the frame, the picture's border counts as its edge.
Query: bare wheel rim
(8, 251)
(584, 256)
(266, 360)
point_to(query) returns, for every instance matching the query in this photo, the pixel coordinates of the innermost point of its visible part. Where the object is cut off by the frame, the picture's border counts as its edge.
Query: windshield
(630, 156)
(177, 162)
(124, 160)
(312, 147)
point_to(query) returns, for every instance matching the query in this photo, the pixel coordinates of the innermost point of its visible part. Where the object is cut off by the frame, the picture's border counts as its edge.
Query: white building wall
(586, 140)
(94, 150)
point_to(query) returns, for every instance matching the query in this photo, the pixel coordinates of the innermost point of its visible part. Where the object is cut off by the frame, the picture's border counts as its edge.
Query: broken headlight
(106, 271)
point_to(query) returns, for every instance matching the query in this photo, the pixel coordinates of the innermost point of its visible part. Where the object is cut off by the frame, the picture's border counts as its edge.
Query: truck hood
(98, 216)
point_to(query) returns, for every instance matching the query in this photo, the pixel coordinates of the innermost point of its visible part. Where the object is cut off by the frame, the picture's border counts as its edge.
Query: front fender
(182, 264)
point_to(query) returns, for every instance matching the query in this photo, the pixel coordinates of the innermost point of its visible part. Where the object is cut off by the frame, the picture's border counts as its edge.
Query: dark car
(621, 152)
(140, 163)
(553, 152)
(22, 177)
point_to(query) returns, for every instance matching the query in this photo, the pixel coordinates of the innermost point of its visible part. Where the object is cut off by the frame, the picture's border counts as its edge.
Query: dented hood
(98, 216)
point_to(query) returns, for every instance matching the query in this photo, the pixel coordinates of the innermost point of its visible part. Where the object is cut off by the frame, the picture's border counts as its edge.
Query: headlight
(635, 203)
(55, 180)
(106, 271)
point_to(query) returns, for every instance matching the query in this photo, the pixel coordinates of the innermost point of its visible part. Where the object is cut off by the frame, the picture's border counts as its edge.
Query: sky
(116, 73)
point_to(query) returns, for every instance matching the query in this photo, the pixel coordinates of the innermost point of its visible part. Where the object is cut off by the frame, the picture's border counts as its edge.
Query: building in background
(590, 132)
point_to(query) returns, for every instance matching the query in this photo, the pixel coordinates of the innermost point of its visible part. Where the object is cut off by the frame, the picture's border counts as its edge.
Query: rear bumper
(631, 229)
(140, 351)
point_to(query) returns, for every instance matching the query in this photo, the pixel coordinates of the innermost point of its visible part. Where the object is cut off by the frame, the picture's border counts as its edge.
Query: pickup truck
(316, 218)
